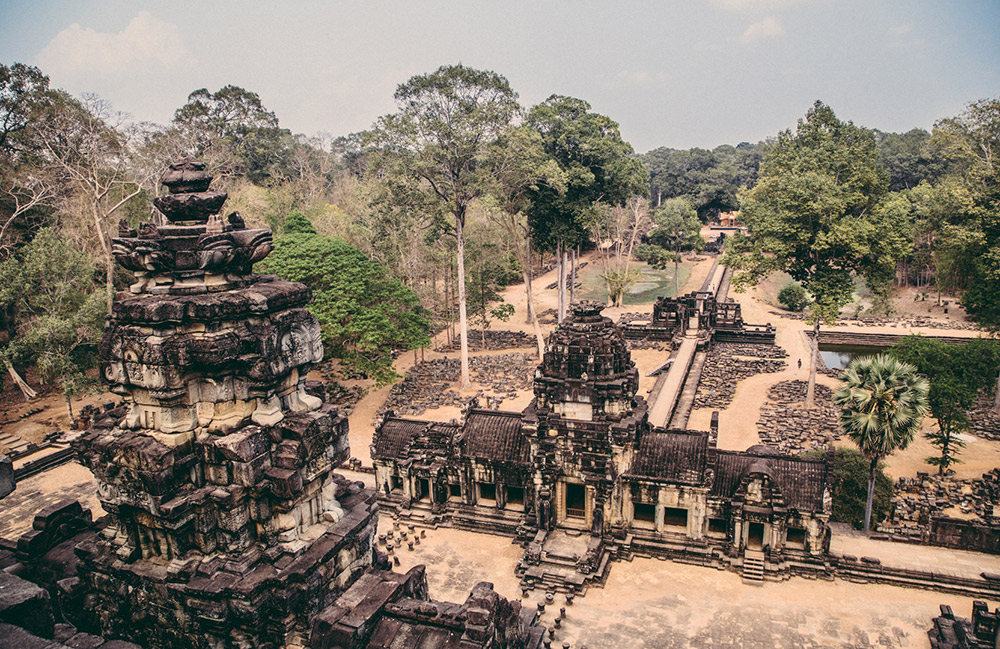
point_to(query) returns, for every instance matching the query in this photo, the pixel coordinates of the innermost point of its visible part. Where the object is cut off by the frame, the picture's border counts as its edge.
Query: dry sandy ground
(650, 604)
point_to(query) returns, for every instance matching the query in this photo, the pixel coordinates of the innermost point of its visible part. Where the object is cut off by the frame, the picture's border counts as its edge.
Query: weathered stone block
(244, 445)
(248, 474)
(6, 476)
(26, 605)
(285, 483)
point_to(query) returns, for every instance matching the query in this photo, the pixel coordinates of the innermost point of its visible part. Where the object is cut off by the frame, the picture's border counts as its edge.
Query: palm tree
(883, 402)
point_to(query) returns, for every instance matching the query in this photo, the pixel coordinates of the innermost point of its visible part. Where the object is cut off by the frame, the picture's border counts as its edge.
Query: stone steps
(753, 568)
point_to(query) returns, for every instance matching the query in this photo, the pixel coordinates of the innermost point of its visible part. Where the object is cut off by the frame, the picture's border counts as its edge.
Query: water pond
(837, 357)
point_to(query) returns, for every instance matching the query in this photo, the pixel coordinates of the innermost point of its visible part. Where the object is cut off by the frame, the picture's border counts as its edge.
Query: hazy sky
(679, 74)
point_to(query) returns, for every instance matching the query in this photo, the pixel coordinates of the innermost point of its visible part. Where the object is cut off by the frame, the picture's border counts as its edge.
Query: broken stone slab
(6, 475)
(26, 605)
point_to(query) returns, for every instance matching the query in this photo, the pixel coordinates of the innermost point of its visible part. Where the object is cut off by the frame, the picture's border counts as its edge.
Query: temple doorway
(423, 490)
(755, 536)
(574, 504)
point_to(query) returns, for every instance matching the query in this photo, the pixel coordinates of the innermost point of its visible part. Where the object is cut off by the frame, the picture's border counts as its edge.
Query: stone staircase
(753, 567)
(557, 568)
(11, 444)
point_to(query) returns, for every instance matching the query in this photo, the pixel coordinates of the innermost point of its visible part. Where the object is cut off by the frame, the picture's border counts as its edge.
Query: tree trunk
(560, 284)
(463, 325)
(871, 495)
(534, 317)
(69, 408)
(572, 279)
(677, 284)
(813, 359)
(565, 281)
(529, 311)
(26, 389)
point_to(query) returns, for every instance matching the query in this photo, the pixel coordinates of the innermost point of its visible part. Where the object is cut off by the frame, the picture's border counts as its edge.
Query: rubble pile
(342, 396)
(787, 425)
(648, 343)
(916, 500)
(495, 340)
(728, 364)
(426, 385)
(984, 420)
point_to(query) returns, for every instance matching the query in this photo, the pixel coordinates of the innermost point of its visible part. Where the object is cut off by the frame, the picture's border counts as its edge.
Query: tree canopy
(709, 180)
(957, 373)
(234, 120)
(596, 163)
(817, 213)
(364, 314)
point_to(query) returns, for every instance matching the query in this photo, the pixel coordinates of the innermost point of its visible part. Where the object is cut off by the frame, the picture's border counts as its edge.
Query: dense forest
(420, 221)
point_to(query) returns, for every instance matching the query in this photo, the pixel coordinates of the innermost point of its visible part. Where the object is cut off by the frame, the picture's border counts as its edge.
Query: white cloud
(899, 30)
(765, 28)
(756, 6)
(147, 44)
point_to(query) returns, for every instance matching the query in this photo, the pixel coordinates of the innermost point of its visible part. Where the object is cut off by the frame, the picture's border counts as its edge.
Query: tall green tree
(363, 313)
(817, 213)
(910, 158)
(971, 143)
(677, 228)
(882, 405)
(598, 167)
(521, 167)
(90, 147)
(957, 374)
(59, 311)
(435, 154)
(28, 189)
(234, 129)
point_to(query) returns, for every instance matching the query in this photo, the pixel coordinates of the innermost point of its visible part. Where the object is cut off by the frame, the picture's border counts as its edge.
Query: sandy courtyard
(650, 604)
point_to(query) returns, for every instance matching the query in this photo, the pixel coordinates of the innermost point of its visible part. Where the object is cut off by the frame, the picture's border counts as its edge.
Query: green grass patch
(652, 283)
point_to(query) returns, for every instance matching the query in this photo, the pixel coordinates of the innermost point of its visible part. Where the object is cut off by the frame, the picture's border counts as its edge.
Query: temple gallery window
(644, 513)
(487, 492)
(675, 517)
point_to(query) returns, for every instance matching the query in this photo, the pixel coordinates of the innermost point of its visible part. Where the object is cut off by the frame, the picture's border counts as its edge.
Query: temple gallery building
(581, 478)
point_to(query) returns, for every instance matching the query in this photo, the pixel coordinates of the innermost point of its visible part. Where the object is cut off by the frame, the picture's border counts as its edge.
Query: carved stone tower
(584, 419)
(229, 526)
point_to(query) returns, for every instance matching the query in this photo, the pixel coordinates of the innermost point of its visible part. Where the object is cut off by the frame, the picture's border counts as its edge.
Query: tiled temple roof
(395, 434)
(496, 435)
(802, 481)
(675, 456)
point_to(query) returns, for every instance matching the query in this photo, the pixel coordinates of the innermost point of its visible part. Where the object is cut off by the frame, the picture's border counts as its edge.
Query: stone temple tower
(584, 420)
(228, 526)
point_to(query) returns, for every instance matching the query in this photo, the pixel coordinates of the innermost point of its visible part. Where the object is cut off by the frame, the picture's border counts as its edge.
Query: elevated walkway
(668, 387)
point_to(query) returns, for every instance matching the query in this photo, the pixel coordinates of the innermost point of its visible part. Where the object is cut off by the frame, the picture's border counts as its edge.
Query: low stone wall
(926, 323)
(962, 534)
